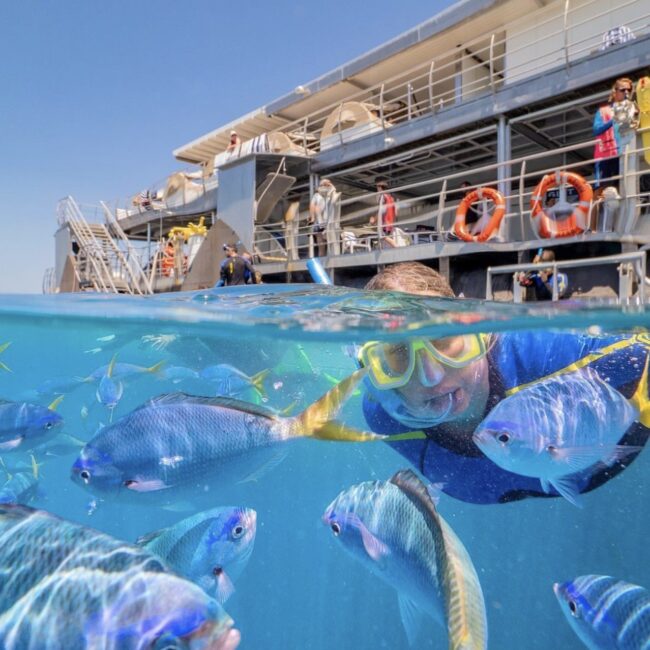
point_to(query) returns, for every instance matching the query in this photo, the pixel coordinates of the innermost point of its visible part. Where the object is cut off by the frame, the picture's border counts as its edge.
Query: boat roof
(407, 50)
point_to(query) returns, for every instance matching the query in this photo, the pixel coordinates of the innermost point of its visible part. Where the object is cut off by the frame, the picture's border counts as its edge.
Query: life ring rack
(573, 224)
(460, 224)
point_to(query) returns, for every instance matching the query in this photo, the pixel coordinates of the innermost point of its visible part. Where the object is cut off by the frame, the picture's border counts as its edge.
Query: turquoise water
(299, 589)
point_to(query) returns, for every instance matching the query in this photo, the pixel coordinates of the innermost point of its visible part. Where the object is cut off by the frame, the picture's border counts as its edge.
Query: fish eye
(84, 474)
(336, 528)
(49, 425)
(217, 571)
(238, 531)
(129, 482)
(551, 450)
(504, 438)
(572, 607)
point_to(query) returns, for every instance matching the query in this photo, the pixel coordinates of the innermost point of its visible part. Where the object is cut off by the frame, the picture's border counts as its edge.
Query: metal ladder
(101, 264)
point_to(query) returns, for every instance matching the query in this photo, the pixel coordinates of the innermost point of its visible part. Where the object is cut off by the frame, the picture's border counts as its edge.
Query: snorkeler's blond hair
(412, 277)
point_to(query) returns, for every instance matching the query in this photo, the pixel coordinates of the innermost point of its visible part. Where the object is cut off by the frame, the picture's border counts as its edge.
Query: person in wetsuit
(446, 387)
(235, 269)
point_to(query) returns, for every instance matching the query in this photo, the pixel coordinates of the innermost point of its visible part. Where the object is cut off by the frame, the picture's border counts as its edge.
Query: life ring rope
(575, 223)
(460, 223)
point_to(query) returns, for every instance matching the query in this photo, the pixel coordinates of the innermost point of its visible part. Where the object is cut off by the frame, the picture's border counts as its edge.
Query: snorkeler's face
(453, 395)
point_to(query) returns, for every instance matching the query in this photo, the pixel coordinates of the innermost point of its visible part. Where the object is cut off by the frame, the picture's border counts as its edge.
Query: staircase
(100, 264)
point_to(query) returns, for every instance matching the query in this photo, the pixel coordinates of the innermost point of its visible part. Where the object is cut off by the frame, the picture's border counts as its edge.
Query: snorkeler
(446, 388)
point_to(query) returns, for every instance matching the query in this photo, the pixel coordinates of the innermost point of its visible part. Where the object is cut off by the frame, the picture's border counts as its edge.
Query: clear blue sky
(95, 96)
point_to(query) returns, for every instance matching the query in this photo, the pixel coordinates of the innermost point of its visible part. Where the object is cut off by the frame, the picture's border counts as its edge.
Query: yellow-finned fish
(394, 529)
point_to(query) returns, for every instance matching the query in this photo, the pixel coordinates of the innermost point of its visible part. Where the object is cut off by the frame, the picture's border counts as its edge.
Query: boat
(488, 95)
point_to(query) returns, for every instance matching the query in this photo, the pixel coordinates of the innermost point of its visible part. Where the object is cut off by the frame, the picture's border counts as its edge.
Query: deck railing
(436, 209)
(631, 268)
(479, 66)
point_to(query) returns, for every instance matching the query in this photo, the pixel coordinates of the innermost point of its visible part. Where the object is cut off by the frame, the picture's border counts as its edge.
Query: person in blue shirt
(446, 387)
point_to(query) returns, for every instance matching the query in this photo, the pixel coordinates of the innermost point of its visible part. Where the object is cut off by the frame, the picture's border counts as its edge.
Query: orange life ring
(576, 222)
(460, 225)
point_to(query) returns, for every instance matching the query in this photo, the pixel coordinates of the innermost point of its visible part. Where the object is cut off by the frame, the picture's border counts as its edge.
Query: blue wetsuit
(448, 456)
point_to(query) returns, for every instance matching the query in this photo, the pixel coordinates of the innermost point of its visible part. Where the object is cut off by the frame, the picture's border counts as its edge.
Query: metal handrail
(638, 260)
(141, 276)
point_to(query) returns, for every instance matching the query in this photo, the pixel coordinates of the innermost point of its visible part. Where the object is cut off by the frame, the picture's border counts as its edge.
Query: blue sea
(300, 589)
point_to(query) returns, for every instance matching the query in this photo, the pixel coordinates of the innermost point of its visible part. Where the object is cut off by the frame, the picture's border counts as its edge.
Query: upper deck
(495, 92)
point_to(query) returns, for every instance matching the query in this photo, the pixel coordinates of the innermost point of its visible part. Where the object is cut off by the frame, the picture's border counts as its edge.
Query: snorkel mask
(393, 365)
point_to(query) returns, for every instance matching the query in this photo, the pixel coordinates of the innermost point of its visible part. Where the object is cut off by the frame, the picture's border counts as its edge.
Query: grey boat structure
(488, 93)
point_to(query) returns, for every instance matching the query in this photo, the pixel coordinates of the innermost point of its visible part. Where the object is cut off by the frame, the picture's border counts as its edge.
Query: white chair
(352, 243)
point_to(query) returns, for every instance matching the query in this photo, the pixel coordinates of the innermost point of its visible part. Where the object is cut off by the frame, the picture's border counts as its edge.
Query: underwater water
(300, 588)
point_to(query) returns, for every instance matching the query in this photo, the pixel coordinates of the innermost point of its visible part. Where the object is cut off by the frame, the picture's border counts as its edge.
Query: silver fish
(180, 441)
(560, 426)
(68, 586)
(394, 529)
(210, 548)
(606, 613)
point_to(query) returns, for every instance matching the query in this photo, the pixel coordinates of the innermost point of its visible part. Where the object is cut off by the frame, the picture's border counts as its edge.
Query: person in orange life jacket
(235, 269)
(606, 129)
(445, 388)
(386, 213)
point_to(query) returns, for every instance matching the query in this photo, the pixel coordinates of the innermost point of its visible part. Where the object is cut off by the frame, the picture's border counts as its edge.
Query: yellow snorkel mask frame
(391, 365)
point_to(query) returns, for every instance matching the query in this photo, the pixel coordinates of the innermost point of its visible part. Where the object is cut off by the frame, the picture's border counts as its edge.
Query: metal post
(441, 206)
(492, 62)
(409, 99)
(488, 284)
(522, 175)
(555, 295)
(566, 33)
(503, 155)
(381, 108)
(431, 68)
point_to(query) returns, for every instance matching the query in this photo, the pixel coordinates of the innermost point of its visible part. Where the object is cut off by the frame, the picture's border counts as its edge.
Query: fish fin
(375, 548)
(35, 467)
(435, 490)
(568, 488)
(111, 366)
(331, 379)
(4, 346)
(17, 511)
(258, 381)
(156, 368)
(224, 402)
(286, 411)
(620, 453)
(225, 587)
(411, 617)
(546, 486)
(267, 467)
(56, 402)
(577, 458)
(4, 366)
(316, 421)
(105, 339)
(152, 485)
(461, 589)
(147, 538)
(8, 445)
(640, 398)
(407, 435)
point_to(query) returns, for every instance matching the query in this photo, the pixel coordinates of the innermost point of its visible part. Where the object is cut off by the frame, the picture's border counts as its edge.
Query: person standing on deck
(386, 213)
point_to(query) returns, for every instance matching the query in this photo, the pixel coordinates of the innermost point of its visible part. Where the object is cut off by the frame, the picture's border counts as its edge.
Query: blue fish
(231, 382)
(394, 529)
(177, 374)
(181, 442)
(110, 391)
(121, 371)
(68, 586)
(26, 424)
(20, 487)
(606, 613)
(210, 548)
(562, 425)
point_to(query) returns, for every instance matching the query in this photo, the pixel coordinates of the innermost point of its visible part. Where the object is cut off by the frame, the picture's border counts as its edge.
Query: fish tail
(111, 365)
(157, 367)
(55, 402)
(4, 366)
(640, 398)
(258, 381)
(317, 420)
